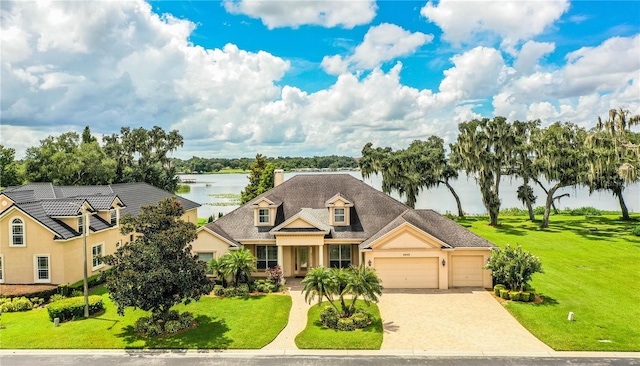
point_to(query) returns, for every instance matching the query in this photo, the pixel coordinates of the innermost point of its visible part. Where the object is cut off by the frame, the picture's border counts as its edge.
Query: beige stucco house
(336, 220)
(42, 226)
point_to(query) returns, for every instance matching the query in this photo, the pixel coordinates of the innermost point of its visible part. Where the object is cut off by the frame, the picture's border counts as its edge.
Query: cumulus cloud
(512, 21)
(277, 14)
(382, 43)
(530, 54)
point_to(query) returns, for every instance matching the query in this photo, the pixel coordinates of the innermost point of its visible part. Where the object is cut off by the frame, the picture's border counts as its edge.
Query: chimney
(278, 177)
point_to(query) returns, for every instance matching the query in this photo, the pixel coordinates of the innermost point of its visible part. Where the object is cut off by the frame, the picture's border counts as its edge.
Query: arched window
(17, 233)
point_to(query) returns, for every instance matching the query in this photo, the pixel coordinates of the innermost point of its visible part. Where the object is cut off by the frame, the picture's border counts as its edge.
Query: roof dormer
(264, 212)
(339, 210)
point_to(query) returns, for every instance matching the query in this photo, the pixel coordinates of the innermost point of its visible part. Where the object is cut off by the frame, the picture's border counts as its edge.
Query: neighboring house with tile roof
(42, 226)
(336, 220)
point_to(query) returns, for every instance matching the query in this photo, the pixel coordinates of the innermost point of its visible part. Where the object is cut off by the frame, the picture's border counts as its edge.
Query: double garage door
(466, 271)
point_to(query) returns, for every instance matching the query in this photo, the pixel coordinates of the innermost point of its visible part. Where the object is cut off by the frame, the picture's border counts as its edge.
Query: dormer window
(338, 215)
(113, 215)
(263, 216)
(264, 212)
(339, 207)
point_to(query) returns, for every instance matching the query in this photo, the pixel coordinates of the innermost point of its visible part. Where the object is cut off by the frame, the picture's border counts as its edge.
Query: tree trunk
(457, 198)
(547, 206)
(623, 206)
(555, 210)
(527, 201)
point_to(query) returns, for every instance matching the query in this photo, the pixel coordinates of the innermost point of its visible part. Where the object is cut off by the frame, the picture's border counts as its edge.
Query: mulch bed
(17, 290)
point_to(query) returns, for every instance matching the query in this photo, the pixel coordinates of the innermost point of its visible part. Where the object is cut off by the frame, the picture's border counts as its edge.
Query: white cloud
(382, 43)
(477, 73)
(277, 14)
(512, 21)
(530, 54)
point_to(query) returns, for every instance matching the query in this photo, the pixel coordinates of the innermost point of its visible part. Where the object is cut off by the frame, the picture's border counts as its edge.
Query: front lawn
(592, 268)
(316, 336)
(250, 322)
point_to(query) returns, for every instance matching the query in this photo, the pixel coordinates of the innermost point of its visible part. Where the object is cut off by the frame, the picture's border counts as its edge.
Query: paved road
(183, 359)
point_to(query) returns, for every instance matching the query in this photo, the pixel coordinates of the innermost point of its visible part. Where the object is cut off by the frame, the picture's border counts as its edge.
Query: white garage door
(467, 271)
(407, 272)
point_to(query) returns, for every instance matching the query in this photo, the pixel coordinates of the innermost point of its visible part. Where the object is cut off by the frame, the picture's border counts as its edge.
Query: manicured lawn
(249, 322)
(592, 268)
(316, 336)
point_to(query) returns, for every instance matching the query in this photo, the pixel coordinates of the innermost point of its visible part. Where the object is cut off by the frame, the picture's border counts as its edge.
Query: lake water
(211, 191)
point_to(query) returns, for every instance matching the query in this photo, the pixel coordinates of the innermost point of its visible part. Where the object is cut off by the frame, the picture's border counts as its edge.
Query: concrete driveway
(451, 320)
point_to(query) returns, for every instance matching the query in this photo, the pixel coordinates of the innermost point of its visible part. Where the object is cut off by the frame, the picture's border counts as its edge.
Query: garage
(466, 271)
(407, 272)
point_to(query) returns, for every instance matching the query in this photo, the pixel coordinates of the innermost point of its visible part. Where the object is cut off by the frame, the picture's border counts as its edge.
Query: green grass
(316, 336)
(592, 268)
(202, 221)
(237, 323)
(230, 171)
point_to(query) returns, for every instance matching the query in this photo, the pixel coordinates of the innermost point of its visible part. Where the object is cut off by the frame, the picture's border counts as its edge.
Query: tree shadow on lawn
(210, 334)
(594, 228)
(546, 301)
(510, 230)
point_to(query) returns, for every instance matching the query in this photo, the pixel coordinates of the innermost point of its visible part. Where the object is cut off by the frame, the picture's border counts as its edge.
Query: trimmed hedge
(73, 307)
(529, 293)
(329, 318)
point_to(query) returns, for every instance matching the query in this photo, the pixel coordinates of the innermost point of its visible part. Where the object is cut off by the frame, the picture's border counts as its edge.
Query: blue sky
(310, 78)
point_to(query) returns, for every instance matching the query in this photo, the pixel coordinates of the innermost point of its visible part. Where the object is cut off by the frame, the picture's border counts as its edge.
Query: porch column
(320, 255)
(281, 257)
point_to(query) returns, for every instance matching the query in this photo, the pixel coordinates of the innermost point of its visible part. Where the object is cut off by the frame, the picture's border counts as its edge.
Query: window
(206, 257)
(81, 224)
(263, 215)
(267, 256)
(17, 233)
(113, 215)
(338, 215)
(1, 269)
(97, 251)
(43, 273)
(340, 255)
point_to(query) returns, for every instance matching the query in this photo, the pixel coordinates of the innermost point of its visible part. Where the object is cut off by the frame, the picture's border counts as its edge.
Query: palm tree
(362, 282)
(238, 265)
(320, 282)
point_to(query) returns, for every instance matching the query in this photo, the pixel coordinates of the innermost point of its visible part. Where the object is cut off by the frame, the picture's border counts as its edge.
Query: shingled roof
(46, 202)
(373, 214)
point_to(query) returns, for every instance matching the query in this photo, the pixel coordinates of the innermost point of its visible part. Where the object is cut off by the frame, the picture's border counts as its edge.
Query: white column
(320, 255)
(281, 258)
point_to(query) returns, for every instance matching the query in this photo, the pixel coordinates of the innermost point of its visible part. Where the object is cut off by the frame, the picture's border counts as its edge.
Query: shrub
(153, 330)
(585, 211)
(76, 293)
(532, 296)
(361, 320)
(174, 322)
(218, 290)
(538, 210)
(242, 290)
(504, 294)
(346, 324)
(36, 301)
(513, 267)
(230, 292)
(329, 317)
(10, 305)
(514, 295)
(514, 211)
(636, 230)
(497, 288)
(264, 286)
(525, 296)
(172, 326)
(274, 274)
(73, 307)
(141, 325)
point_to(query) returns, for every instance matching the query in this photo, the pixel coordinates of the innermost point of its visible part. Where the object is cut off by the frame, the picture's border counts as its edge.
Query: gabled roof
(45, 202)
(372, 214)
(436, 225)
(318, 219)
(372, 209)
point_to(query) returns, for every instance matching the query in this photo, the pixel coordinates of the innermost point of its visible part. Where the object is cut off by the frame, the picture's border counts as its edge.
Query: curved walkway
(297, 322)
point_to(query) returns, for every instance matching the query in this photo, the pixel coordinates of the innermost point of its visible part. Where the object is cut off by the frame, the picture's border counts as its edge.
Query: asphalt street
(178, 358)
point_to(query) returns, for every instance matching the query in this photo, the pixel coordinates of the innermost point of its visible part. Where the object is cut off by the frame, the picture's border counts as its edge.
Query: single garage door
(407, 272)
(467, 271)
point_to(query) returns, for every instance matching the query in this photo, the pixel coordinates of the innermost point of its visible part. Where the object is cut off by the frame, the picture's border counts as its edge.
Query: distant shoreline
(300, 170)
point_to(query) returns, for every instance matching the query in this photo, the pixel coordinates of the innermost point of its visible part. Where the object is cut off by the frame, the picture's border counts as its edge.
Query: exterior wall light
(444, 262)
(369, 262)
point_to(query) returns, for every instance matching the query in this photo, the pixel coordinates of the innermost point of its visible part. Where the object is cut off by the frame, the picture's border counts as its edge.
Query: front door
(301, 261)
